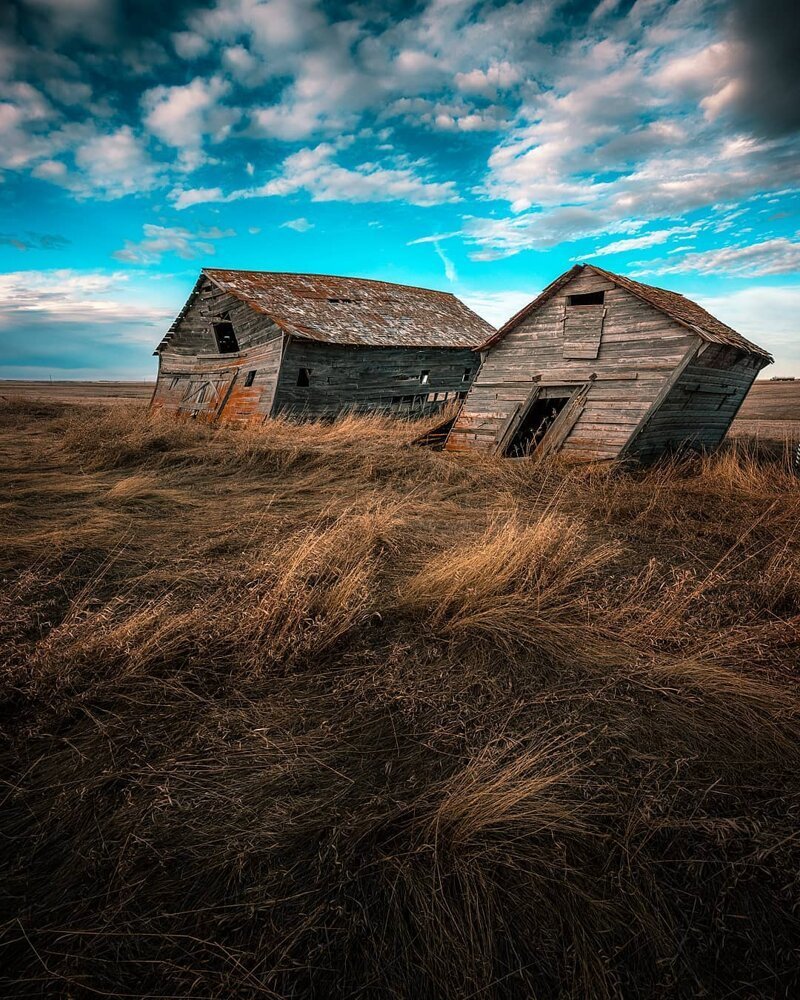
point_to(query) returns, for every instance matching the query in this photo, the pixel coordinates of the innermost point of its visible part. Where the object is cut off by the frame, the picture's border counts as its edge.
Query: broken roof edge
(639, 290)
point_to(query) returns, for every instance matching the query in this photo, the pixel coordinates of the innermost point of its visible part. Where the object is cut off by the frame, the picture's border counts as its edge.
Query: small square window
(304, 377)
(587, 299)
(467, 375)
(250, 378)
(424, 377)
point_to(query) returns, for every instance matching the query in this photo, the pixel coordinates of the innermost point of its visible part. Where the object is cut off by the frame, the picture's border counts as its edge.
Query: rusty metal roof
(355, 310)
(684, 311)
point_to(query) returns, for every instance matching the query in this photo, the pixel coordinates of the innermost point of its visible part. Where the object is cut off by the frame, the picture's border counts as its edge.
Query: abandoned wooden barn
(599, 367)
(249, 344)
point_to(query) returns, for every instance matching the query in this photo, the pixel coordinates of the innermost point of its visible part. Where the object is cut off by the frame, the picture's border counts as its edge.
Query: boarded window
(583, 326)
(250, 378)
(304, 377)
(225, 336)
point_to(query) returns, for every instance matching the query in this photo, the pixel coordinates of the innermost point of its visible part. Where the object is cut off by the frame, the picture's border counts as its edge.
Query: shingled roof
(672, 304)
(339, 310)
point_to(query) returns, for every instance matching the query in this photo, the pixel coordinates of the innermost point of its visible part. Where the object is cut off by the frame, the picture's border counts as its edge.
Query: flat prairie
(308, 711)
(77, 392)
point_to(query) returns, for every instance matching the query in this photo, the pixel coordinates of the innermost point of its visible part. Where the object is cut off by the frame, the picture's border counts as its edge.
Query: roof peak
(677, 307)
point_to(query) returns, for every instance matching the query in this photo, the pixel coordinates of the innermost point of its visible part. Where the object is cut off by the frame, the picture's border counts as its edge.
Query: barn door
(557, 432)
(206, 395)
(506, 433)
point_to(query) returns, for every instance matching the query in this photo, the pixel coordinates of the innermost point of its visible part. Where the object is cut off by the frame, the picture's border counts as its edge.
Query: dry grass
(308, 711)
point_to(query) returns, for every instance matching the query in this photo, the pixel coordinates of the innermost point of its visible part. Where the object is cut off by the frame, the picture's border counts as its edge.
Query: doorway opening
(535, 424)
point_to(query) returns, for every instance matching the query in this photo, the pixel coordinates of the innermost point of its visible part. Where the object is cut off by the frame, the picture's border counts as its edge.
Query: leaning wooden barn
(599, 367)
(248, 344)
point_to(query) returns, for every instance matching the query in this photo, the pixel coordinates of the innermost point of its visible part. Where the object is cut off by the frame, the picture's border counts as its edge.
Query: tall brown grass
(309, 711)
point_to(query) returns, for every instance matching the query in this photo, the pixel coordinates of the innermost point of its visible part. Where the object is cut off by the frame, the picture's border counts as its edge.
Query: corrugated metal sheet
(676, 306)
(356, 310)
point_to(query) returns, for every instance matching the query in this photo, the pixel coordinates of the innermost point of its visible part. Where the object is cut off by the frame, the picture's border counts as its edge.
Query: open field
(771, 412)
(77, 392)
(307, 711)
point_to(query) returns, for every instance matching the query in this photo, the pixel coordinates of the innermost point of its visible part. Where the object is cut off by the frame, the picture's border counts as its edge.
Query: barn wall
(638, 350)
(195, 379)
(699, 408)
(371, 378)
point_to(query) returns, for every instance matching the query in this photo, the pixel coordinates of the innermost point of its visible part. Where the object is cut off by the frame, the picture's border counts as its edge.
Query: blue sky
(477, 147)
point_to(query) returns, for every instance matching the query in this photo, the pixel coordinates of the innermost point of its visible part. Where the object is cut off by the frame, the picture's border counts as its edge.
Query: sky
(476, 147)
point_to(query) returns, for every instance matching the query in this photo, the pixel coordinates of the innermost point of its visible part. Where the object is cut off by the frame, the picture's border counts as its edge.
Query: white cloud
(189, 45)
(158, 240)
(298, 225)
(496, 307)
(184, 116)
(449, 266)
(777, 256)
(114, 165)
(186, 197)
(488, 82)
(96, 299)
(314, 171)
(653, 238)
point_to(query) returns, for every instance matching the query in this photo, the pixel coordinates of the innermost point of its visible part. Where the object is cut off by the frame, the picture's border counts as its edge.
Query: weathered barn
(248, 344)
(600, 366)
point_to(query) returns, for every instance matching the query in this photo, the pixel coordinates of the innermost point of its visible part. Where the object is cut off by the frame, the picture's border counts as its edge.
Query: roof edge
(532, 306)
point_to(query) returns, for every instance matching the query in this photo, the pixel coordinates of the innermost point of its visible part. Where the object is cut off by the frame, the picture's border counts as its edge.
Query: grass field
(307, 711)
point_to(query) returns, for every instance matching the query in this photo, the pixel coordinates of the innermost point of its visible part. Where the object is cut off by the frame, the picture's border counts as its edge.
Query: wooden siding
(701, 405)
(638, 351)
(190, 364)
(343, 377)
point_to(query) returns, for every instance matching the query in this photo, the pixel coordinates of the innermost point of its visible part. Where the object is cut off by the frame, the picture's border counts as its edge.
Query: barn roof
(339, 310)
(672, 304)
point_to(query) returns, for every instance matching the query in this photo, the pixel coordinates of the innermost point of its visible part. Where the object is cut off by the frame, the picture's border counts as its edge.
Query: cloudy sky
(477, 147)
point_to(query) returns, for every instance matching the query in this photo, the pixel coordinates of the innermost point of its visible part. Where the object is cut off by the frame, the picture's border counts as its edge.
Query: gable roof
(684, 311)
(338, 310)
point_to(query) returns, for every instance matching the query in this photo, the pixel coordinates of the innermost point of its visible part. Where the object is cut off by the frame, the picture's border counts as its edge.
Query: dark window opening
(225, 337)
(587, 299)
(250, 378)
(424, 377)
(466, 376)
(345, 301)
(304, 377)
(538, 421)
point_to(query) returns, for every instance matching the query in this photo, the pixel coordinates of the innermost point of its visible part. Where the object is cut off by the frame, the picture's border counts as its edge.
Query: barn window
(583, 326)
(587, 299)
(424, 376)
(466, 375)
(250, 378)
(304, 377)
(225, 336)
